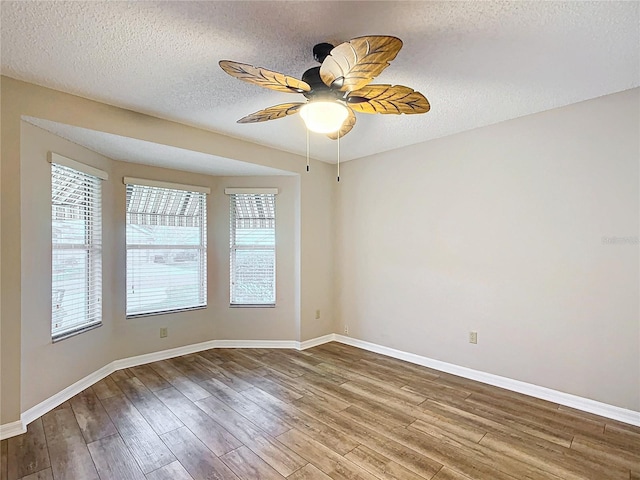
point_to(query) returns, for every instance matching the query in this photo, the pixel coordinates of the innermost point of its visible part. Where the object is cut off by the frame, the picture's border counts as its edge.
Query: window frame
(233, 247)
(89, 180)
(160, 186)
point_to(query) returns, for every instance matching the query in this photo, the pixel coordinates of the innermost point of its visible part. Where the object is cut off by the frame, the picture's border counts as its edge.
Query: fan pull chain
(307, 148)
(338, 155)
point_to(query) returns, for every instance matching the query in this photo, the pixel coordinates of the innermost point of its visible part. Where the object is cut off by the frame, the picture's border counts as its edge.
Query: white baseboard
(161, 355)
(314, 342)
(609, 411)
(52, 402)
(568, 400)
(12, 429)
(257, 344)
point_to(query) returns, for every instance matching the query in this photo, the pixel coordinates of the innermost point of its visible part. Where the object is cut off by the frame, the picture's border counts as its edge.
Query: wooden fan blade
(352, 65)
(388, 99)
(348, 124)
(264, 78)
(272, 113)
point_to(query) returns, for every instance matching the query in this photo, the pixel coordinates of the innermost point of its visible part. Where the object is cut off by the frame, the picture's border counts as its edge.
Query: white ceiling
(134, 150)
(477, 62)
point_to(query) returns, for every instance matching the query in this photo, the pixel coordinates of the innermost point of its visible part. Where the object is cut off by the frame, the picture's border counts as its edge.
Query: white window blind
(166, 249)
(253, 249)
(76, 233)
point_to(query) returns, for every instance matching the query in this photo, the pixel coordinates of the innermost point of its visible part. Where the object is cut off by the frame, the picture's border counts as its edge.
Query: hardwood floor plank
(561, 462)
(622, 438)
(302, 387)
(243, 372)
(70, 458)
(332, 357)
(232, 379)
(381, 395)
(582, 415)
(377, 413)
(456, 430)
(273, 388)
(27, 453)
(264, 419)
(195, 457)
(519, 437)
(375, 440)
(432, 390)
(140, 438)
(149, 378)
(240, 356)
(608, 454)
(358, 371)
(232, 421)
(120, 375)
(113, 460)
(408, 377)
(334, 465)
(476, 462)
(381, 466)
(541, 415)
(323, 433)
(91, 416)
(300, 357)
(189, 388)
(248, 466)
(41, 475)
(401, 366)
(498, 421)
(310, 365)
(4, 461)
(446, 474)
(280, 457)
(212, 434)
(106, 388)
(153, 410)
(190, 368)
(211, 355)
(365, 402)
(281, 363)
(309, 472)
(173, 471)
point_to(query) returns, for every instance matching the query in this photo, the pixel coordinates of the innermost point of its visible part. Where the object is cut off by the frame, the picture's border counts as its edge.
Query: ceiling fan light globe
(323, 116)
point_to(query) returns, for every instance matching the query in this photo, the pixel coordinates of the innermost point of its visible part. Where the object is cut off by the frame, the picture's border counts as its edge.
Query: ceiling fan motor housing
(318, 88)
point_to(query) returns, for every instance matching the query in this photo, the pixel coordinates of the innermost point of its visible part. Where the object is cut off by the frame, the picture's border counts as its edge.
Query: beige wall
(304, 210)
(499, 230)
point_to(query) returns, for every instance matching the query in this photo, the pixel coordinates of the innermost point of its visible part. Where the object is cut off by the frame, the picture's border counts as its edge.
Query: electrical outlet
(317, 314)
(346, 329)
(473, 337)
(164, 332)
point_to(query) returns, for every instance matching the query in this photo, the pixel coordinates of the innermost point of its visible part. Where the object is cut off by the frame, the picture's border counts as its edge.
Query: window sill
(74, 333)
(165, 312)
(252, 305)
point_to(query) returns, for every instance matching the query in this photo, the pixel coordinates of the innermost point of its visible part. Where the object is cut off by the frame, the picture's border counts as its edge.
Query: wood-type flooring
(329, 412)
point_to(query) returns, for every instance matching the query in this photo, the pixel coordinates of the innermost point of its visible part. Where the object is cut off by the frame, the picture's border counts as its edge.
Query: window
(253, 247)
(76, 244)
(166, 247)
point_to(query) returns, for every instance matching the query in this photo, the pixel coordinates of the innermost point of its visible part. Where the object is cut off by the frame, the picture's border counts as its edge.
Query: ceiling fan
(338, 88)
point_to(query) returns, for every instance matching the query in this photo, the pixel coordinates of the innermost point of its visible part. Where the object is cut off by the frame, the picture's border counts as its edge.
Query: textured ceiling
(148, 153)
(477, 62)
